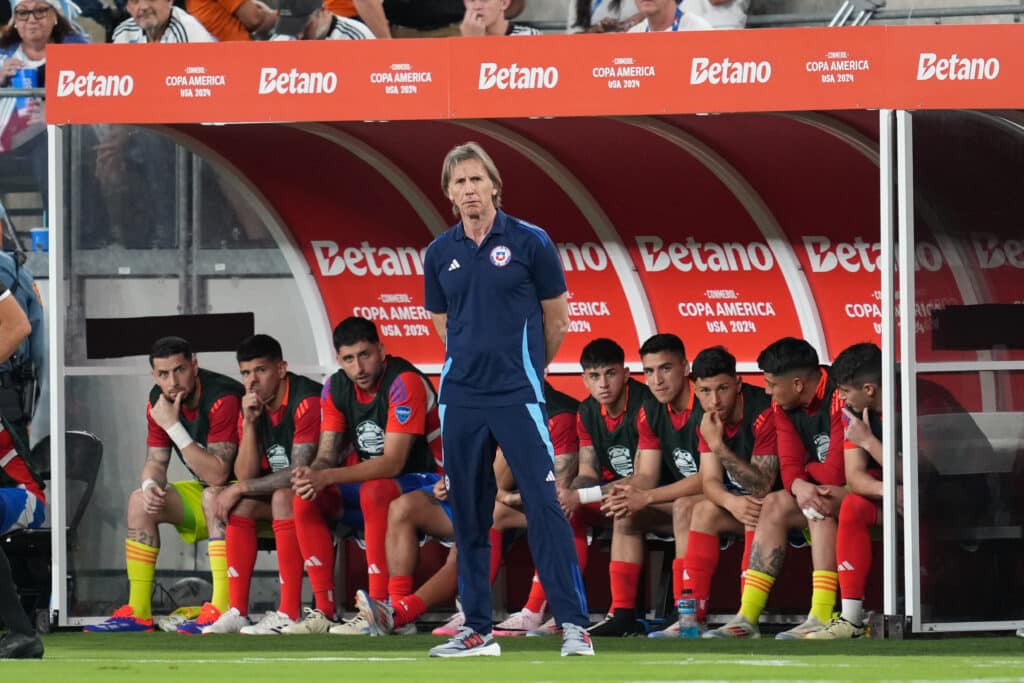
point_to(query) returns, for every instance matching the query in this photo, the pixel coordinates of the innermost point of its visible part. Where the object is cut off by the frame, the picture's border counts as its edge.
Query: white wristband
(590, 495)
(179, 435)
(150, 482)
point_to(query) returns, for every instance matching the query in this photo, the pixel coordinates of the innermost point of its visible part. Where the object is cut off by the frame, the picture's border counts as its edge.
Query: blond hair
(467, 152)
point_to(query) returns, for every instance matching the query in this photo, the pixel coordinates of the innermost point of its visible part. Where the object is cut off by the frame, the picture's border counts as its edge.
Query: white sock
(853, 611)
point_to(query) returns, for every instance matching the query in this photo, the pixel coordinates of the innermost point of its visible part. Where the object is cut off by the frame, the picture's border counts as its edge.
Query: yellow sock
(219, 569)
(756, 587)
(823, 597)
(141, 561)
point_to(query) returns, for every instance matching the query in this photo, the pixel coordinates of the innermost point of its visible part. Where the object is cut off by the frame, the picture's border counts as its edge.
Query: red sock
(579, 539)
(289, 567)
(317, 548)
(624, 577)
(678, 577)
(535, 603)
(748, 544)
(375, 497)
(408, 609)
(853, 545)
(497, 539)
(700, 564)
(399, 587)
(240, 539)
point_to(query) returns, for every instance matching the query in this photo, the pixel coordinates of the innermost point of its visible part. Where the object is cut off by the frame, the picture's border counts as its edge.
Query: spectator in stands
(425, 18)
(233, 19)
(739, 466)
(667, 16)
(278, 429)
(602, 16)
(309, 20)
(857, 372)
(159, 21)
(34, 25)
(368, 12)
(809, 433)
(487, 18)
(666, 466)
(194, 413)
(719, 13)
(386, 410)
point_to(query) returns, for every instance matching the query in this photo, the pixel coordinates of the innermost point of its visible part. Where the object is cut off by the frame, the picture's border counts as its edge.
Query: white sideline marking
(241, 660)
(741, 662)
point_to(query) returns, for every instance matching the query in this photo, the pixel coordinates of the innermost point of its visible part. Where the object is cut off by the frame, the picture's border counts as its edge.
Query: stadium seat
(29, 549)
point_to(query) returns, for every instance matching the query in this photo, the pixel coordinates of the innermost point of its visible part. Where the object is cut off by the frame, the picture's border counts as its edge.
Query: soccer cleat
(313, 621)
(837, 629)
(468, 643)
(20, 646)
(810, 625)
(672, 631)
(737, 627)
(356, 626)
(576, 641)
(122, 621)
(272, 624)
(453, 625)
(208, 615)
(231, 621)
(620, 624)
(405, 630)
(519, 623)
(379, 616)
(548, 628)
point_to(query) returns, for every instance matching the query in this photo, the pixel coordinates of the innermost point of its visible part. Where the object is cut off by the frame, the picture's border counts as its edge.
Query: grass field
(159, 657)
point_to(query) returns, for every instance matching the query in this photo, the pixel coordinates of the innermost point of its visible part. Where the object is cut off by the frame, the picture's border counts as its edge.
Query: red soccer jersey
(794, 460)
(611, 423)
(307, 419)
(563, 434)
(223, 423)
(16, 468)
(648, 439)
(764, 435)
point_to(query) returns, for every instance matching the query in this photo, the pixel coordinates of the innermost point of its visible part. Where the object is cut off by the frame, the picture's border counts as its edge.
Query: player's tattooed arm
(566, 467)
(758, 476)
(327, 455)
(589, 468)
(302, 456)
(155, 467)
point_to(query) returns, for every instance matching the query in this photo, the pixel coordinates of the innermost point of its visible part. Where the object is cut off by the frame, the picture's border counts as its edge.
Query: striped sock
(141, 561)
(823, 597)
(756, 588)
(219, 569)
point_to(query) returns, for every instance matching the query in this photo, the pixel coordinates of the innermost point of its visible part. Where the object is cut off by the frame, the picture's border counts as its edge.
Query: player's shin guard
(375, 498)
(317, 552)
(624, 577)
(141, 562)
(217, 550)
(240, 538)
(853, 552)
(748, 545)
(289, 567)
(823, 597)
(700, 564)
(755, 594)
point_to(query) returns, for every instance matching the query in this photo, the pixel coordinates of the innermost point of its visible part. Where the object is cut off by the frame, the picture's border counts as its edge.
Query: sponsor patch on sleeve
(403, 413)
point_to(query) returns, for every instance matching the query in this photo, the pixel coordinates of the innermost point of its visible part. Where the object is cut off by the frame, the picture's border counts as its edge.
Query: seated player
(738, 467)
(663, 489)
(385, 409)
(809, 435)
(193, 412)
(278, 430)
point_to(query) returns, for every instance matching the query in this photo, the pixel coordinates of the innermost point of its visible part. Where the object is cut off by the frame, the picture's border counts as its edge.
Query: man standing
(278, 430)
(497, 295)
(21, 640)
(195, 413)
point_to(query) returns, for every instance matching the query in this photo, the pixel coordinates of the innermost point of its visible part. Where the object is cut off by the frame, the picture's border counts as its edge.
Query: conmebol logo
(728, 72)
(515, 77)
(297, 82)
(956, 68)
(92, 84)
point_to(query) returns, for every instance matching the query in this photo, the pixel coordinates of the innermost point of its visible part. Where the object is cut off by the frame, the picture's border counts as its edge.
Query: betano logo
(297, 82)
(728, 72)
(93, 84)
(515, 77)
(956, 68)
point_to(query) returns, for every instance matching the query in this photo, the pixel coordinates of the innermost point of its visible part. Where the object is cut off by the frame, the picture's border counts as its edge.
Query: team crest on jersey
(369, 438)
(821, 444)
(278, 458)
(501, 255)
(402, 414)
(621, 461)
(685, 463)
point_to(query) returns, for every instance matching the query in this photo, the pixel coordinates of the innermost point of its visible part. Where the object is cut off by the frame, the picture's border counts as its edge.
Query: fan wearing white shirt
(159, 21)
(666, 15)
(720, 13)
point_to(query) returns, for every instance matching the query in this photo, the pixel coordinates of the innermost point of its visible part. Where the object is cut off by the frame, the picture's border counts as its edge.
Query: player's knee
(136, 506)
(625, 525)
(776, 508)
(377, 493)
(209, 498)
(401, 509)
(702, 517)
(281, 505)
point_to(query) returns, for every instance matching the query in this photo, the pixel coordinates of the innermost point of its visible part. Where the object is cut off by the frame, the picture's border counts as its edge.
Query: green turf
(158, 657)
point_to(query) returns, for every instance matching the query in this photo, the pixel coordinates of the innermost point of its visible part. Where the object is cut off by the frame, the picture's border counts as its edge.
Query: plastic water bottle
(688, 627)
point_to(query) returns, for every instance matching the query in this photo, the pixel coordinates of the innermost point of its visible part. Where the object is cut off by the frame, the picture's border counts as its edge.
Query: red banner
(723, 71)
